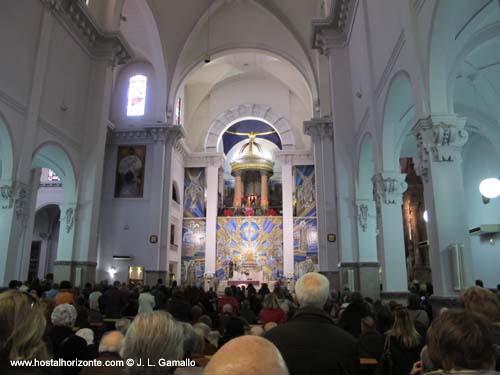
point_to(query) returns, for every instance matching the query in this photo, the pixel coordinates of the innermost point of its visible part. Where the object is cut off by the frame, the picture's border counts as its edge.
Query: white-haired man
(310, 342)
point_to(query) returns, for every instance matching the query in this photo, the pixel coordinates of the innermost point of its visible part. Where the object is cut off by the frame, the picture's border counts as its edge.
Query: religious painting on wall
(305, 191)
(131, 161)
(193, 251)
(305, 246)
(249, 248)
(194, 192)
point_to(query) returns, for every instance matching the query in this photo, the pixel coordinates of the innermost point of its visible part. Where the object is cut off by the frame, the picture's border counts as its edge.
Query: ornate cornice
(334, 31)
(294, 157)
(102, 45)
(319, 129)
(388, 188)
(204, 159)
(440, 138)
(152, 134)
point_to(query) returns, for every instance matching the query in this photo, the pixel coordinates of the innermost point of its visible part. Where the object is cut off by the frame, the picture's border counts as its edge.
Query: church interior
(235, 142)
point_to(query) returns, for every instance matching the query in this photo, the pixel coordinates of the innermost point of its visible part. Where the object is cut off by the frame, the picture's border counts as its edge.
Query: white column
(212, 171)
(440, 140)
(321, 132)
(287, 190)
(388, 190)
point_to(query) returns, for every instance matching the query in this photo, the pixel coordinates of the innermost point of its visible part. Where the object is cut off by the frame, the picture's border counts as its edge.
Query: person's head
(117, 284)
(193, 342)
(196, 312)
(482, 301)
(86, 334)
(111, 342)
(479, 283)
(152, 336)
(55, 286)
(145, 289)
(159, 282)
(270, 302)
(461, 340)
(228, 291)
(64, 315)
(312, 290)
(256, 331)
(368, 324)
(13, 284)
(65, 284)
(254, 354)
(122, 325)
(203, 330)
(206, 319)
(404, 329)
(22, 325)
(357, 298)
(269, 326)
(227, 309)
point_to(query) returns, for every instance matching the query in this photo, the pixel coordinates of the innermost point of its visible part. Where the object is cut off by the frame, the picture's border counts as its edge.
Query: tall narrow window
(137, 95)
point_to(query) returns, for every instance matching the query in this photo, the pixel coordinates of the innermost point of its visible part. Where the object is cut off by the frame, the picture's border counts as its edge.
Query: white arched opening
(249, 111)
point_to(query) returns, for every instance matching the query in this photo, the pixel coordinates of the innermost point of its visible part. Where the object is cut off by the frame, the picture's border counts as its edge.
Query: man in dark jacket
(352, 315)
(370, 342)
(113, 301)
(310, 342)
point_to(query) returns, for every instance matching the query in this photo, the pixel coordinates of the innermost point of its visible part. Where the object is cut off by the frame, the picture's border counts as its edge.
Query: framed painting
(130, 165)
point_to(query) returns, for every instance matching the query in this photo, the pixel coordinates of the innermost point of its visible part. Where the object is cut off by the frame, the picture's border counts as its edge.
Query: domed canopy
(251, 157)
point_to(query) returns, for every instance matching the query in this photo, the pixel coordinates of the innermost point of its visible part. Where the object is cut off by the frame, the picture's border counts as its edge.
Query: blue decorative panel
(305, 245)
(305, 191)
(193, 250)
(194, 192)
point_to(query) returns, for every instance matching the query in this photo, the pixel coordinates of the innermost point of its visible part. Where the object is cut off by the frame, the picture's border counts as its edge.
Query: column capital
(294, 157)
(440, 138)
(172, 134)
(388, 188)
(215, 160)
(319, 128)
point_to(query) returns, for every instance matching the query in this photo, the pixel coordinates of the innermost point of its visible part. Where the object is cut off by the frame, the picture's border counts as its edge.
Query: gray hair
(86, 334)
(152, 336)
(122, 325)
(64, 315)
(312, 289)
(193, 342)
(202, 329)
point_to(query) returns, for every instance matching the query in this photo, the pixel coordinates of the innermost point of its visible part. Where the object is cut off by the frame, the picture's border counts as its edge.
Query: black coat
(68, 346)
(311, 344)
(113, 301)
(371, 345)
(351, 318)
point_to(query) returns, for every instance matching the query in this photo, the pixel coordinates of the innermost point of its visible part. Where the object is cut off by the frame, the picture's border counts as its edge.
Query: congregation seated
(228, 299)
(310, 342)
(249, 355)
(234, 328)
(418, 315)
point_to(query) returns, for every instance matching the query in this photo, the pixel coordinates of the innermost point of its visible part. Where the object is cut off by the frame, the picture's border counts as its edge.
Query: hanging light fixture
(490, 188)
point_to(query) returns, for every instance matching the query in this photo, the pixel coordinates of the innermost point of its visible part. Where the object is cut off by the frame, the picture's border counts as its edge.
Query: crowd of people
(187, 330)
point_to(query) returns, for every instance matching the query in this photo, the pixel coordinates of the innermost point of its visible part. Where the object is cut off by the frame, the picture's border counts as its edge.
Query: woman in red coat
(271, 311)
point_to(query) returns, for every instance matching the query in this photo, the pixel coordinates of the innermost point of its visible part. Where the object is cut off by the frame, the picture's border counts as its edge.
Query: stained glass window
(137, 95)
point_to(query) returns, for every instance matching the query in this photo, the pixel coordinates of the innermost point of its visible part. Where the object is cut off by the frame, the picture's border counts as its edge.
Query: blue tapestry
(252, 245)
(305, 191)
(194, 192)
(305, 246)
(193, 250)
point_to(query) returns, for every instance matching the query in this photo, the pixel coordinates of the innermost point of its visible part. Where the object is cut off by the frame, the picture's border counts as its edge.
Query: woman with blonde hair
(402, 345)
(22, 325)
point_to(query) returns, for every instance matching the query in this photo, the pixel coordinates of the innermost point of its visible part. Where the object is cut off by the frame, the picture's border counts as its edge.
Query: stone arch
(245, 111)
(53, 156)
(6, 151)
(398, 120)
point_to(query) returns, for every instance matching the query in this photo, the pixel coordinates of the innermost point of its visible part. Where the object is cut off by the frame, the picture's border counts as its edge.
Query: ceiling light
(426, 216)
(490, 188)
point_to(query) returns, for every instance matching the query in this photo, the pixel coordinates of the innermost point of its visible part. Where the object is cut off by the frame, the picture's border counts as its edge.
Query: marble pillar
(321, 132)
(264, 190)
(214, 162)
(388, 193)
(440, 140)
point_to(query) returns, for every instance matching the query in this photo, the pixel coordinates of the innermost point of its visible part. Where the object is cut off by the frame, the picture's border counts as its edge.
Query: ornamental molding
(334, 31)
(439, 139)
(259, 111)
(15, 196)
(295, 157)
(159, 133)
(319, 129)
(204, 159)
(69, 218)
(362, 216)
(388, 188)
(102, 45)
